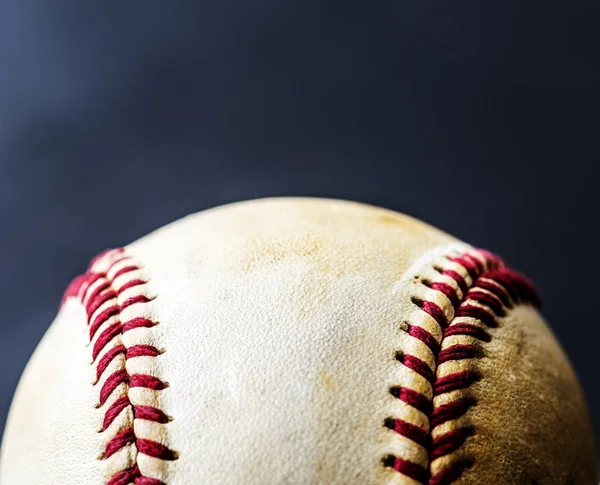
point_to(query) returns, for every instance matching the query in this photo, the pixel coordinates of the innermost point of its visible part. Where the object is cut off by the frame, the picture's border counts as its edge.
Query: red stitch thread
(111, 384)
(413, 398)
(131, 284)
(467, 329)
(494, 289)
(149, 382)
(468, 264)
(488, 300)
(408, 468)
(418, 365)
(114, 410)
(92, 306)
(100, 319)
(133, 300)
(73, 289)
(447, 290)
(100, 300)
(457, 352)
(150, 414)
(125, 270)
(450, 411)
(133, 475)
(122, 439)
(458, 380)
(435, 311)
(97, 292)
(425, 337)
(155, 449)
(105, 337)
(418, 435)
(107, 358)
(141, 350)
(460, 281)
(138, 322)
(449, 442)
(477, 313)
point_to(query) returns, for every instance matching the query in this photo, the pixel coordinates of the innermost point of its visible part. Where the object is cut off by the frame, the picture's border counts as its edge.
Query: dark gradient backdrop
(481, 118)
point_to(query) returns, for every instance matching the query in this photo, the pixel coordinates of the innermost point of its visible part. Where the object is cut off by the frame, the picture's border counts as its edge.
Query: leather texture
(278, 322)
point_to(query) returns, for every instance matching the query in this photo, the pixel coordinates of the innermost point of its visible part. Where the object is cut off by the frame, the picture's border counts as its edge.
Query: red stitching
(114, 410)
(116, 378)
(105, 337)
(150, 414)
(425, 337)
(447, 290)
(107, 358)
(450, 411)
(434, 310)
(141, 350)
(418, 365)
(155, 449)
(137, 323)
(460, 281)
(450, 474)
(418, 435)
(122, 439)
(133, 300)
(133, 475)
(411, 470)
(149, 382)
(457, 352)
(488, 300)
(487, 293)
(413, 398)
(468, 329)
(100, 319)
(449, 442)
(97, 292)
(477, 313)
(453, 382)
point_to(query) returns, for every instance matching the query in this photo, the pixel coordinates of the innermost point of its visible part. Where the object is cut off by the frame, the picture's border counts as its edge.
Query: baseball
(302, 342)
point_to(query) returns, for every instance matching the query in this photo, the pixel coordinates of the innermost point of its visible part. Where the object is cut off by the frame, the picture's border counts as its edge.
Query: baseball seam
(479, 289)
(114, 294)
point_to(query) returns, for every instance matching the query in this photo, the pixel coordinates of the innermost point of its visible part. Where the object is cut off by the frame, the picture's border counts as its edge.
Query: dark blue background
(478, 117)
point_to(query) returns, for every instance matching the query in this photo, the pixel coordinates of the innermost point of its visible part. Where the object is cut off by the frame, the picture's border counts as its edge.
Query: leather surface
(530, 422)
(279, 320)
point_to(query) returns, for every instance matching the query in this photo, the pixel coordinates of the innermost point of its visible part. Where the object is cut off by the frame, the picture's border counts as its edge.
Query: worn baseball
(301, 342)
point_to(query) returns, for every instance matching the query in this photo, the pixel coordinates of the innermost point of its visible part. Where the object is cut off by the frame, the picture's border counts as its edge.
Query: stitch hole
(388, 461)
(427, 283)
(395, 391)
(399, 355)
(479, 352)
(417, 301)
(439, 269)
(388, 423)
